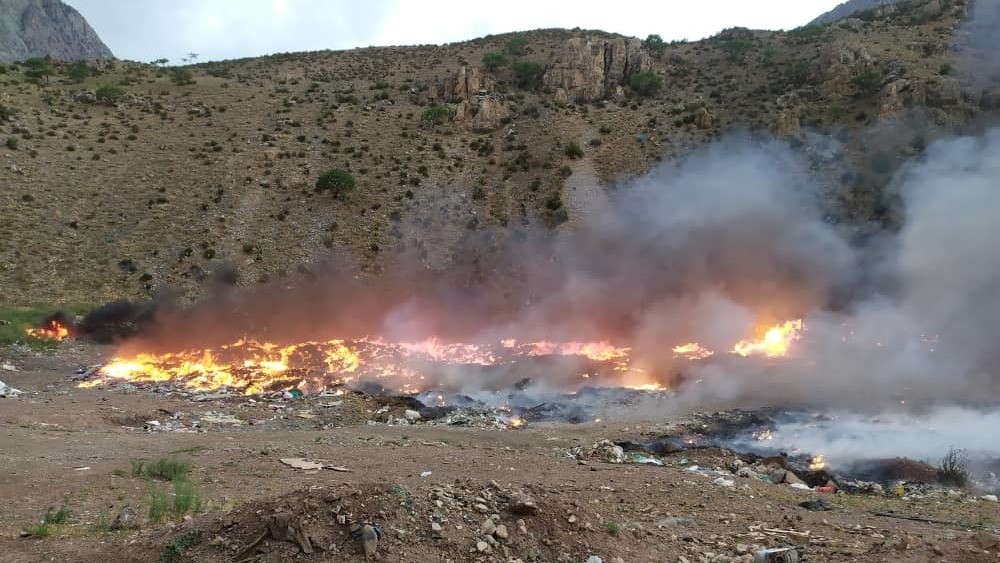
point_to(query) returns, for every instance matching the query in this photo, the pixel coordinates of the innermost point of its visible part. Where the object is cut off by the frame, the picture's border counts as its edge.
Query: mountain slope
(107, 194)
(848, 9)
(47, 28)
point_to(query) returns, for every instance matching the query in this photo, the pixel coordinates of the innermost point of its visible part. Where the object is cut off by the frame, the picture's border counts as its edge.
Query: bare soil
(54, 429)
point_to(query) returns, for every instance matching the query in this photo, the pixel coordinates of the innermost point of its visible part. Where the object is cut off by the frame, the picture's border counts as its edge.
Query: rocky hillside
(850, 8)
(47, 28)
(122, 178)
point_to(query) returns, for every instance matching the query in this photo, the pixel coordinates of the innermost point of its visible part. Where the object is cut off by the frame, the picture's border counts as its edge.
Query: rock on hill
(39, 28)
(848, 9)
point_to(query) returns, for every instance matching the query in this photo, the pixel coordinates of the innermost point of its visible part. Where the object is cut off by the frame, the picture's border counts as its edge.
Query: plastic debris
(8, 391)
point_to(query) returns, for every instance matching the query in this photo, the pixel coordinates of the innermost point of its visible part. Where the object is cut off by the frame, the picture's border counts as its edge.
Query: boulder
(944, 91)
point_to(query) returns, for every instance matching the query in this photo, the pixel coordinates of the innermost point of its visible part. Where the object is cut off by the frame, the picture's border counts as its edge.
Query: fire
(775, 342)
(253, 367)
(818, 462)
(50, 330)
(692, 351)
(764, 435)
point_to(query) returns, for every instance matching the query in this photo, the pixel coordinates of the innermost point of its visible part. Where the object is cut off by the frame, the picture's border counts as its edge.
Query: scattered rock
(8, 391)
(411, 415)
(488, 527)
(482, 547)
(991, 498)
(125, 520)
(522, 503)
(815, 505)
(437, 530)
(594, 559)
(501, 532)
(985, 540)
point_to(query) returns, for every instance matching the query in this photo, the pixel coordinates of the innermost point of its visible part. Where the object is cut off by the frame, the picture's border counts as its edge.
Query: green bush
(527, 74)
(109, 93)
(646, 83)
(337, 180)
(655, 44)
(436, 114)
(867, 82)
(37, 69)
(573, 150)
(735, 49)
(517, 46)
(494, 60)
(12, 143)
(807, 32)
(6, 112)
(182, 76)
(78, 72)
(167, 469)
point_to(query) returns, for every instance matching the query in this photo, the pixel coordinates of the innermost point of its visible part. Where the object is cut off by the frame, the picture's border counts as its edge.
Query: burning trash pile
(751, 445)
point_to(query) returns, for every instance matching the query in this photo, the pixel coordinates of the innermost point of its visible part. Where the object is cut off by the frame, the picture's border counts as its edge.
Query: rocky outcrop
(837, 64)
(592, 68)
(47, 28)
(482, 115)
(464, 84)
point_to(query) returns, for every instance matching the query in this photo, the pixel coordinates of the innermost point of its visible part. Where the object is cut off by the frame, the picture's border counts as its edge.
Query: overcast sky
(145, 30)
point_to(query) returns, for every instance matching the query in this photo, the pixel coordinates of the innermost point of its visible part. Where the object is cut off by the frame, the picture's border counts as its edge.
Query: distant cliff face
(38, 28)
(849, 8)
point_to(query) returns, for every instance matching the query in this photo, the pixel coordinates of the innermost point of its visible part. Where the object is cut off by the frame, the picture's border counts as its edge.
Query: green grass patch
(614, 528)
(175, 549)
(186, 498)
(53, 516)
(40, 530)
(157, 506)
(164, 469)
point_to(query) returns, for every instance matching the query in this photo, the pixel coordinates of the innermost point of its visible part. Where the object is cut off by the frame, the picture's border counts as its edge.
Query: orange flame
(818, 462)
(775, 342)
(692, 351)
(50, 330)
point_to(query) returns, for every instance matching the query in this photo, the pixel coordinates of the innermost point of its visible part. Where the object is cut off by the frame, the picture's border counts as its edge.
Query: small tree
(182, 77)
(436, 114)
(954, 470)
(337, 180)
(38, 69)
(527, 74)
(655, 44)
(160, 62)
(735, 48)
(867, 82)
(517, 46)
(78, 72)
(109, 94)
(494, 60)
(646, 83)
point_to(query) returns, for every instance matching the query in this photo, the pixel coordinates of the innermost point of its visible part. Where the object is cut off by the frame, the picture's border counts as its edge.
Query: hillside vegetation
(120, 177)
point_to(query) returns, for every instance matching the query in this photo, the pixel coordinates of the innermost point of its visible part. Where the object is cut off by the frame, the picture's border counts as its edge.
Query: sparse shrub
(736, 48)
(337, 180)
(646, 83)
(493, 60)
(595, 142)
(573, 150)
(436, 114)
(797, 73)
(527, 74)
(166, 469)
(6, 112)
(39, 530)
(945, 68)
(176, 549)
(157, 505)
(78, 72)
(954, 470)
(867, 82)
(11, 143)
(806, 32)
(517, 46)
(613, 528)
(53, 516)
(604, 130)
(109, 93)
(182, 76)
(186, 498)
(655, 44)
(37, 69)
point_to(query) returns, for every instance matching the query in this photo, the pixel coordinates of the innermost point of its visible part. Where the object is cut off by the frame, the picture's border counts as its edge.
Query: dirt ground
(65, 446)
